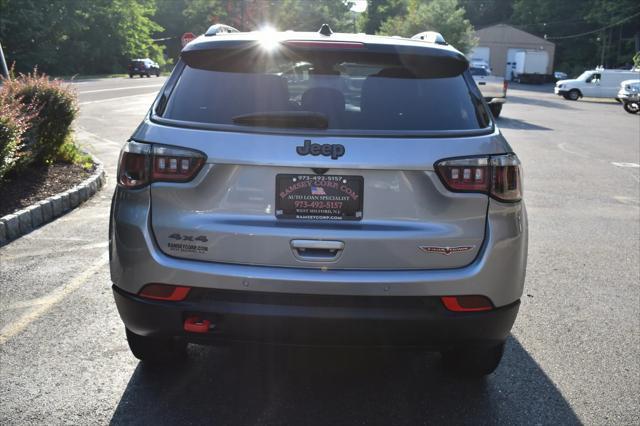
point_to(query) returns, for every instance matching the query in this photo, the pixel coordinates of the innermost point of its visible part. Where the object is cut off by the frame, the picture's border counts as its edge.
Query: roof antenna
(325, 30)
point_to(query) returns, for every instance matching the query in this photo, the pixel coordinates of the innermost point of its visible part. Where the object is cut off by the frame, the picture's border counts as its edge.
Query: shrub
(15, 120)
(56, 107)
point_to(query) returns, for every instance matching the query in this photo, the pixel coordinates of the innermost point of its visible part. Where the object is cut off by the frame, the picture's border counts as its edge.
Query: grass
(70, 153)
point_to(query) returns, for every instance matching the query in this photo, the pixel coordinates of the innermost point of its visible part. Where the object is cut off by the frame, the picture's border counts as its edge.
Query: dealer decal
(188, 243)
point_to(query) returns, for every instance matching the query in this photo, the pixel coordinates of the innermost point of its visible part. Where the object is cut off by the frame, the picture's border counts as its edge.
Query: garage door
(480, 54)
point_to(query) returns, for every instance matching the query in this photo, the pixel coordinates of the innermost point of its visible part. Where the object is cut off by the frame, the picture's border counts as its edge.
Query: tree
(443, 16)
(377, 12)
(487, 12)
(77, 36)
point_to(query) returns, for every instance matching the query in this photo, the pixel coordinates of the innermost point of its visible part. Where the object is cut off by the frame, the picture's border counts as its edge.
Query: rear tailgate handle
(482, 83)
(317, 250)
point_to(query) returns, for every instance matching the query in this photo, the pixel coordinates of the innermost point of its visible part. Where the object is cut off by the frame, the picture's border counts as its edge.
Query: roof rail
(220, 29)
(430, 37)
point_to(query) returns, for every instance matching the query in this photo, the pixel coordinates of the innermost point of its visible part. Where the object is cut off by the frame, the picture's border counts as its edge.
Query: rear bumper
(316, 320)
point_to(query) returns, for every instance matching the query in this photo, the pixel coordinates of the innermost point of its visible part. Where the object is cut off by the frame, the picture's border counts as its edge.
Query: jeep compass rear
(319, 189)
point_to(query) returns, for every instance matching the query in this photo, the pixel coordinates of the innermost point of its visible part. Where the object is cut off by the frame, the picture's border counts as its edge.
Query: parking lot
(572, 357)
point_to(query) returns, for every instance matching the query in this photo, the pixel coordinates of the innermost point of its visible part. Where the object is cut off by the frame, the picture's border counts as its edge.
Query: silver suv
(320, 189)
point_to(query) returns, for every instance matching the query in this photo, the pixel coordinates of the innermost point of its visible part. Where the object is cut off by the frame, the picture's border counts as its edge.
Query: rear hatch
(320, 156)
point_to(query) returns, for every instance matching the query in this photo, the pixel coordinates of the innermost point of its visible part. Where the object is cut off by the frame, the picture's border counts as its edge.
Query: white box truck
(531, 66)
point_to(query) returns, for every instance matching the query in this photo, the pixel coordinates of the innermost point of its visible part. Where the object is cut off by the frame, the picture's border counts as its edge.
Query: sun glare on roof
(268, 39)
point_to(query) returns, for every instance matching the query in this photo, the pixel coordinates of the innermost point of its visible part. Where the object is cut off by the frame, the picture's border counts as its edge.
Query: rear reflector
(164, 292)
(196, 325)
(467, 303)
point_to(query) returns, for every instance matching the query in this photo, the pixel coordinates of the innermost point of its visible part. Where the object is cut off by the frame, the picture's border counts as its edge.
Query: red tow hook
(196, 325)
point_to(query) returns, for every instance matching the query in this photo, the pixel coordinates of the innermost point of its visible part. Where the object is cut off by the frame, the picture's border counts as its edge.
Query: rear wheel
(632, 107)
(496, 109)
(155, 350)
(573, 95)
(130, 75)
(473, 361)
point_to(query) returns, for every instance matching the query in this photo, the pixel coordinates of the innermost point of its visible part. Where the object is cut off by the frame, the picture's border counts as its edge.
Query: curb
(23, 221)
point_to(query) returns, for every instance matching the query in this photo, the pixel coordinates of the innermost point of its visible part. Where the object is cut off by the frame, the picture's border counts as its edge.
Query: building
(498, 45)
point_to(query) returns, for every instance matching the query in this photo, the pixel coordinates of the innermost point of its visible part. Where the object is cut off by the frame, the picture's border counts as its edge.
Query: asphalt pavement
(573, 357)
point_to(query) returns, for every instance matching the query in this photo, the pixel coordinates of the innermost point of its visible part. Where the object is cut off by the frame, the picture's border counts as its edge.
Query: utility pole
(5, 70)
(604, 40)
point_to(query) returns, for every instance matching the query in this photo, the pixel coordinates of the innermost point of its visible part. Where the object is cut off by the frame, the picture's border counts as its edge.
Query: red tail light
(141, 164)
(175, 164)
(498, 176)
(505, 86)
(467, 303)
(164, 292)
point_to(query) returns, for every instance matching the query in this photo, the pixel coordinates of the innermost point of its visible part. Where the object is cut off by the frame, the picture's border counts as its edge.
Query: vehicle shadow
(514, 123)
(247, 385)
(555, 104)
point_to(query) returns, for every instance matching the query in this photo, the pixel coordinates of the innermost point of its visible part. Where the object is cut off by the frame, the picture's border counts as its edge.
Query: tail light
(141, 164)
(498, 176)
(505, 86)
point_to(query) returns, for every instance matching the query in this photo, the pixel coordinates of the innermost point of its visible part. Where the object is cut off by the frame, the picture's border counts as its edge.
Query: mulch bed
(34, 184)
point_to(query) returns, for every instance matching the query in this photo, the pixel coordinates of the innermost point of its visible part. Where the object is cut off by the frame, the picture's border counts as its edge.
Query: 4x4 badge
(334, 150)
(446, 250)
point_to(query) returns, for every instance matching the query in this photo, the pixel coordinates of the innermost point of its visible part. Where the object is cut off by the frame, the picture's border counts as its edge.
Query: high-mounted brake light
(141, 164)
(498, 176)
(165, 292)
(326, 44)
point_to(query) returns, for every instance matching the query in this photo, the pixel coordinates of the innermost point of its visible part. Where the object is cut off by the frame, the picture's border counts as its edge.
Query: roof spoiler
(430, 37)
(220, 29)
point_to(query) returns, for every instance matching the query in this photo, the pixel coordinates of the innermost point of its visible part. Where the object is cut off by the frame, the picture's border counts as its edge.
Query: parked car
(143, 67)
(629, 95)
(598, 83)
(253, 205)
(492, 87)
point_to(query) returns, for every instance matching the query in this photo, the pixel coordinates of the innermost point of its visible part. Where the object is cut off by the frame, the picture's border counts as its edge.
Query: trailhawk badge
(446, 250)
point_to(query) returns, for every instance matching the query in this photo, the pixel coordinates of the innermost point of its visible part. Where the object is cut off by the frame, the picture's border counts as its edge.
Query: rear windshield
(479, 71)
(352, 94)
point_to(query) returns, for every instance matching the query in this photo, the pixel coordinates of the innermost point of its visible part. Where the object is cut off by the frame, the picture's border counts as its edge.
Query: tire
(155, 350)
(473, 361)
(632, 107)
(130, 75)
(496, 109)
(574, 95)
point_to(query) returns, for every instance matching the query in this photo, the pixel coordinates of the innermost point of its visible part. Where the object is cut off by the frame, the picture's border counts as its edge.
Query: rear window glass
(351, 94)
(479, 71)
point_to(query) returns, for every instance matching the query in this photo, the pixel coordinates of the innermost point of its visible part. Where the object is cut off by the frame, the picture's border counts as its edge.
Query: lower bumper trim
(316, 320)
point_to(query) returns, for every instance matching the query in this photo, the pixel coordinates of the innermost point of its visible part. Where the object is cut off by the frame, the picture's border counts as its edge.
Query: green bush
(56, 107)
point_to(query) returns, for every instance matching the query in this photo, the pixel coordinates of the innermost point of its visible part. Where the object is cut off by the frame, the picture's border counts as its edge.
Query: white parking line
(631, 165)
(48, 301)
(115, 99)
(120, 88)
(563, 147)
